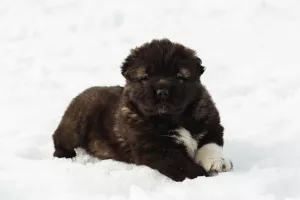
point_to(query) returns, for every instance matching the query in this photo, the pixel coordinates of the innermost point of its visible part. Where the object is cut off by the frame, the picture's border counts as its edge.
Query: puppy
(163, 117)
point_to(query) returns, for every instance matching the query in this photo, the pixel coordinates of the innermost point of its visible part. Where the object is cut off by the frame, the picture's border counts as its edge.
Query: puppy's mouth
(162, 109)
(166, 110)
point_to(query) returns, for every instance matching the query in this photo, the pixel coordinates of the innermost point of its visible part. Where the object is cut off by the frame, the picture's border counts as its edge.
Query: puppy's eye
(181, 78)
(144, 78)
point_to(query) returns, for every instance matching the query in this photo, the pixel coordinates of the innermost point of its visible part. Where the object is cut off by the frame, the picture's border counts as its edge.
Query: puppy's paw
(211, 158)
(60, 153)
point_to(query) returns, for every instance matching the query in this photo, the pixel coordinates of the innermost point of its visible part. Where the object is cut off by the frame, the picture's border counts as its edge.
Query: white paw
(211, 158)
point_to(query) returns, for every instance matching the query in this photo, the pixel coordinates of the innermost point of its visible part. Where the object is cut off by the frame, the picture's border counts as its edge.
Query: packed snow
(50, 50)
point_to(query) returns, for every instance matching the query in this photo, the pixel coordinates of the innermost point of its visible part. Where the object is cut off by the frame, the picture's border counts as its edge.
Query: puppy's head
(162, 77)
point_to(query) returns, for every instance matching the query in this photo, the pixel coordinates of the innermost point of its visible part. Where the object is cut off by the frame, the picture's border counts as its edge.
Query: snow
(50, 50)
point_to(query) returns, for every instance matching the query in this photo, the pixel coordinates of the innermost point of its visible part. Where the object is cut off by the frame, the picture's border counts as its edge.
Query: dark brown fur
(133, 124)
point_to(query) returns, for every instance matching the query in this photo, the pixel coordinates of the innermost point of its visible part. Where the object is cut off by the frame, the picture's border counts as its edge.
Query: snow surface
(50, 50)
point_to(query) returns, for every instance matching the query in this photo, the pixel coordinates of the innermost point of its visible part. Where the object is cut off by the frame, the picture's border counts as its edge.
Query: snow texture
(50, 50)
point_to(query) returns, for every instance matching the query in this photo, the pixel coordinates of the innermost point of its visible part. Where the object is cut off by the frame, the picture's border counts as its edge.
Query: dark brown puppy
(163, 118)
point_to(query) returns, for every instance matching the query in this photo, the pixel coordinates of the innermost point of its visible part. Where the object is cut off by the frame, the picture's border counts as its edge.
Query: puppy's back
(92, 101)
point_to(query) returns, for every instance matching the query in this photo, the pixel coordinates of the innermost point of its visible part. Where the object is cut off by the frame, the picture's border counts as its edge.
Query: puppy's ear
(201, 68)
(128, 62)
(124, 71)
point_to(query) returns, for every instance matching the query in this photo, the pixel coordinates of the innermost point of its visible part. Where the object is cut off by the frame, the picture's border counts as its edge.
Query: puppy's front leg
(173, 163)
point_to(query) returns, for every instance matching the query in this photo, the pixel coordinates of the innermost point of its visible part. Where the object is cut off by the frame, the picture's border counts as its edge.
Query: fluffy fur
(159, 118)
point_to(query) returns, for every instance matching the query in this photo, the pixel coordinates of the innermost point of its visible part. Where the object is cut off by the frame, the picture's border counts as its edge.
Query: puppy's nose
(163, 93)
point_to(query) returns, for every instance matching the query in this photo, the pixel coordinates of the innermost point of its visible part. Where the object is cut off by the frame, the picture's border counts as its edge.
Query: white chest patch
(187, 140)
